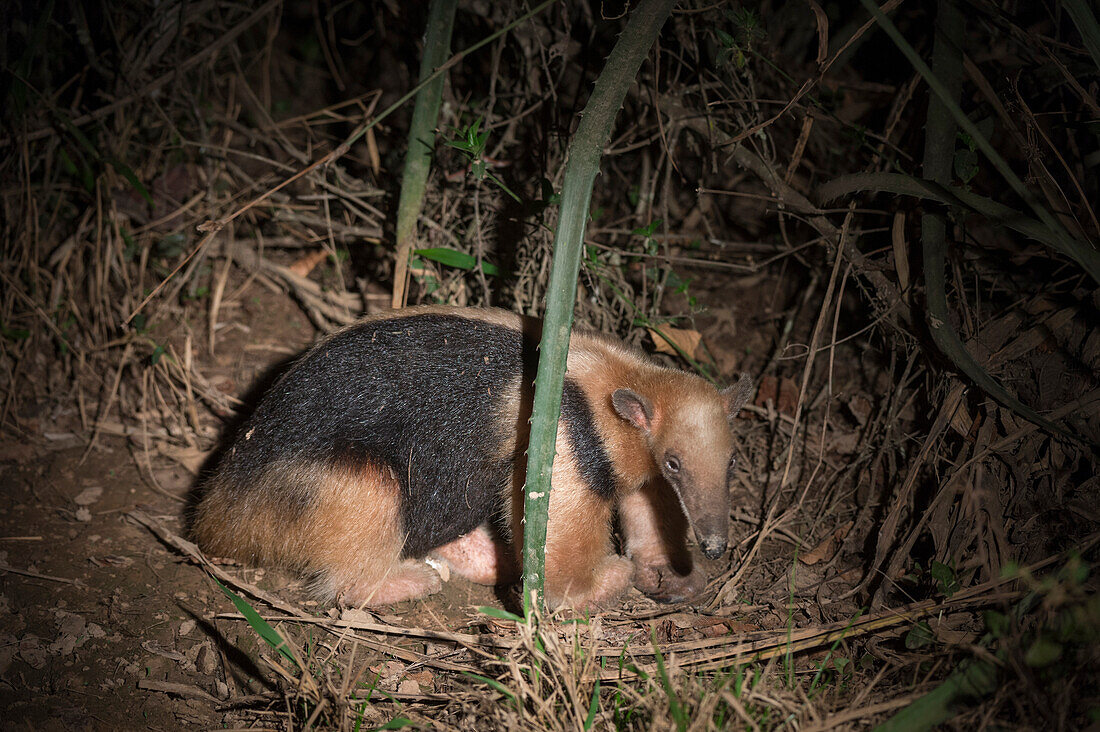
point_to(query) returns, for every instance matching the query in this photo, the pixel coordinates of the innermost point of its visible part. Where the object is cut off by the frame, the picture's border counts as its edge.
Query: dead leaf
(860, 407)
(669, 339)
(32, 652)
(783, 394)
(372, 152)
(88, 496)
(424, 677)
(828, 547)
(901, 251)
(953, 630)
(845, 443)
(306, 264)
(190, 458)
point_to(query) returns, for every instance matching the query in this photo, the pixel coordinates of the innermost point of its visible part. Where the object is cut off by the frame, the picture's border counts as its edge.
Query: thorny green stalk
(585, 151)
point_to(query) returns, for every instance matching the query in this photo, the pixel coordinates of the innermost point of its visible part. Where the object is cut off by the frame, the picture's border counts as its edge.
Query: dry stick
(1009, 124)
(465, 639)
(809, 83)
(37, 575)
(792, 199)
(781, 642)
(901, 500)
(122, 362)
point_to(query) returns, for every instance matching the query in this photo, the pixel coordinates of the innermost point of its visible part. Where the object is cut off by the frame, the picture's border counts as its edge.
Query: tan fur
(350, 536)
(655, 535)
(582, 571)
(688, 416)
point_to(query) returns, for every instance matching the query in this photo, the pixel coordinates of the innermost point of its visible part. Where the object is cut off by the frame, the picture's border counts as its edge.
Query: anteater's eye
(672, 463)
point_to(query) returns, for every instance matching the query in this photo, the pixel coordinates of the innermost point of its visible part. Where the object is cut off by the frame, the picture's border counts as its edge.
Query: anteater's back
(398, 417)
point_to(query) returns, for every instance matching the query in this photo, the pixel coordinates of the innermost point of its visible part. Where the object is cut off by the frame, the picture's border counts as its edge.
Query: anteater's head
(686, 423)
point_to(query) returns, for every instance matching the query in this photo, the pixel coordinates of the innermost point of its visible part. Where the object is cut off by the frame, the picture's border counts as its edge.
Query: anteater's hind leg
(356, 536)
(655, 531)
(480, 557)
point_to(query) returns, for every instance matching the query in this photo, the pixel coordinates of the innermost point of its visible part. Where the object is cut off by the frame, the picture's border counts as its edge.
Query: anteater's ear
(633, 407)
(736, 396)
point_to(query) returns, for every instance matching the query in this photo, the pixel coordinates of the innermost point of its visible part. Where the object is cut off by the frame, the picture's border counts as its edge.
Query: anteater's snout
(713, 546)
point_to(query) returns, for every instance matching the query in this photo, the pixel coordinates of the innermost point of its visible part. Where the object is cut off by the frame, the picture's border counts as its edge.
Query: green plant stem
(972, 679)
(939, 150)
(943, 96)
(583, 164)
(418, 156)
(1082, 17)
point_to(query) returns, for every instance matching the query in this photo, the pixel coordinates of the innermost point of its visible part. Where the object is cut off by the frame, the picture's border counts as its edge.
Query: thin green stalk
(583, 164)
(418, 155)
(1079, 250)
(1081, 15)
(945, 79)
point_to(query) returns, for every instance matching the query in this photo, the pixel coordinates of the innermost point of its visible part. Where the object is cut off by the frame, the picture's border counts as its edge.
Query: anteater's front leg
(656, 532)
(582, 569)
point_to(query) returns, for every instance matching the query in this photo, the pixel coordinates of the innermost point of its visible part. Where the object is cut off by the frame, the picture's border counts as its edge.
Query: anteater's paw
(610, 579)
(664, 584)
(408, 580)
(480, 558)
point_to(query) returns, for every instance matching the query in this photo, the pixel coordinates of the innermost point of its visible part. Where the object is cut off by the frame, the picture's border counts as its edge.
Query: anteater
(403, 437)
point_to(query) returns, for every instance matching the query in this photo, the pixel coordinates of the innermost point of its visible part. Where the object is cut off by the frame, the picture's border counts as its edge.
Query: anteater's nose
(713, 546)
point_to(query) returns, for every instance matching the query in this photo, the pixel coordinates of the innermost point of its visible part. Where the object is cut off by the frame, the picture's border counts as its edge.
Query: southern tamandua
(404, 436)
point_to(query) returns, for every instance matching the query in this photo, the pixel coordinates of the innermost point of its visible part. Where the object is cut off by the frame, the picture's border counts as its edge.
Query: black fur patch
(588, 445)
(421, 395)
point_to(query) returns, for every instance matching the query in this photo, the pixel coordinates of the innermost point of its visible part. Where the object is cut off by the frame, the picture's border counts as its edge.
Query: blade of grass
(264, 629)
(943, 114)
(907, 185)
(674, 705)
(593, 706)
(1081, 15)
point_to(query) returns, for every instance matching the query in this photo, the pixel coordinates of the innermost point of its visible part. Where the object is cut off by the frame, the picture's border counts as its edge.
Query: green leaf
(261, 626)
(945, 578)
(996, 623)
(155, 356)
(496, 612)
(649, 229)
(1042, 653)
(458, 260)
(966, 165)
(919, 636)
(593, 706)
